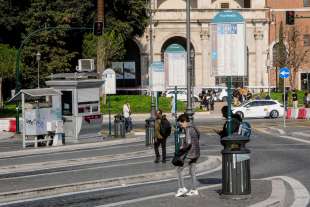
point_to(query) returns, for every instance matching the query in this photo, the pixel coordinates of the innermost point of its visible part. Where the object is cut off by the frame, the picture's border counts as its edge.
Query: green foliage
(60, 48)
(110, 45)
(9, 110)
(278, 96)
(7, 61)
(89, 47)
(139, 104)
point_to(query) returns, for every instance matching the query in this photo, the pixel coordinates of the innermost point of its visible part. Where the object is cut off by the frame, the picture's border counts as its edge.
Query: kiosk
(80, 104)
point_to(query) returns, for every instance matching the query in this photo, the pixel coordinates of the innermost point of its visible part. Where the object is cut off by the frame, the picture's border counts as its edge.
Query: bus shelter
(41, 116)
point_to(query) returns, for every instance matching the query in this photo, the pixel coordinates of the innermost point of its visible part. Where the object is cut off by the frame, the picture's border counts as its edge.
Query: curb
(64, 148)
(211, 163)
(277, 197)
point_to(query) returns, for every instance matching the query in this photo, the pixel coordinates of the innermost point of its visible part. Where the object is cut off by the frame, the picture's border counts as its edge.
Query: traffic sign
(284, 73)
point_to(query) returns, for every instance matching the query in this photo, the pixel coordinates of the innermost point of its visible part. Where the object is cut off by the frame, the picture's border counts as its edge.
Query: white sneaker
(181, 192)
(192, 193)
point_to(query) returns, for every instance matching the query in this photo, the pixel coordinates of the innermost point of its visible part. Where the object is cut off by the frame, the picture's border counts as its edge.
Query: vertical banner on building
(158, 76)
(175, 66)
(228, 53)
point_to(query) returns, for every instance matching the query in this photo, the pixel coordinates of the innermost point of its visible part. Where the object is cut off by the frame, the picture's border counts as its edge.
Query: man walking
(161, 133)
(295, 99)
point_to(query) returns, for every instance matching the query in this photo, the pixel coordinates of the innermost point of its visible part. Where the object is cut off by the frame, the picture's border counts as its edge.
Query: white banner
(228, 49)
(176, 69)
(158, 77)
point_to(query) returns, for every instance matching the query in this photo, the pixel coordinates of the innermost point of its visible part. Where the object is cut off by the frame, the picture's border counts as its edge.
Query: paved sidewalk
(263, 194)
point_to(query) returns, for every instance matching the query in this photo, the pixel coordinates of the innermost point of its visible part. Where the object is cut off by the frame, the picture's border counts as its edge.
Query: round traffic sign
(284, 72)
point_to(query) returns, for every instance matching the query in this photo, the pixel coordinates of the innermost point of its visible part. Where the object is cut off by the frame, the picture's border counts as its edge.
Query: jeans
(192, 173)
(161, 142)
(128, 124)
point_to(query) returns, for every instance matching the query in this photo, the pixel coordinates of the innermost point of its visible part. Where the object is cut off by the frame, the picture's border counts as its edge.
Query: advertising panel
(228, 45)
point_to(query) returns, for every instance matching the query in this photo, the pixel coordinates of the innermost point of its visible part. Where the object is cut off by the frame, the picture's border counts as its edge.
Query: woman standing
(189, 147)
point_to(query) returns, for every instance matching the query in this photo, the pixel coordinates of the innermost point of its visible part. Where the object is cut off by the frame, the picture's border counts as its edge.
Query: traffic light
(98, 28)
(290, 17)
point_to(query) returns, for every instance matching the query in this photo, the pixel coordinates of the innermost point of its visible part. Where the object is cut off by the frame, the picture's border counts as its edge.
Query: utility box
(80, 104)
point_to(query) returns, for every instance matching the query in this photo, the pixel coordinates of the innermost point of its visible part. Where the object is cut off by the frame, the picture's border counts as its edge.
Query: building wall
(277, 14)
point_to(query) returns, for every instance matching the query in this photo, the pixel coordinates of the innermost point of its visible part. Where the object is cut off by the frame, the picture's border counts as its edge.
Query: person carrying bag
(189, 153)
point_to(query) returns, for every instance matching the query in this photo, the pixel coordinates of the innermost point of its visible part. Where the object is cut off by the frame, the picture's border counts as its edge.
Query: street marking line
(30, 167)
(76, 170)
(26, 152)
(296, 139)
(108, 188)
(152, 197)
(97, 184)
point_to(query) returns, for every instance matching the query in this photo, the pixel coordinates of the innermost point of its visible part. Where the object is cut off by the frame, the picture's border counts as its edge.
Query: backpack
(165, 128)
(245, 129)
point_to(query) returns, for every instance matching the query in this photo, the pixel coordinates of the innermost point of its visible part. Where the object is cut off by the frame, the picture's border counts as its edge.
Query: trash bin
(149, 131)
(236, 178)
(119, 126)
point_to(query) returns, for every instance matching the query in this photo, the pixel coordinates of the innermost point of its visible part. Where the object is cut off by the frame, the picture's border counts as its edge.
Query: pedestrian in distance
(295, 99)
(162, 132)
(307, 100)
(205, 103)
(190, 151)
(235, 123)
(211, 101)
(127, 116)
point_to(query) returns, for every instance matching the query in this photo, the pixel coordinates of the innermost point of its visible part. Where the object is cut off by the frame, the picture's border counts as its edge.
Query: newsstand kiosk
(80, 104)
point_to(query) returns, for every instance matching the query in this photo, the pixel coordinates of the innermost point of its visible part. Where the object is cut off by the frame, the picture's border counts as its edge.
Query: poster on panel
(228, 49)
(158, 76)
(176, 67)
(118, 68)
(129, 70)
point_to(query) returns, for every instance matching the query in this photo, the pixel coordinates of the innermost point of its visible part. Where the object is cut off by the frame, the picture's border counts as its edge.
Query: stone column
(206, 79)
(259, 67)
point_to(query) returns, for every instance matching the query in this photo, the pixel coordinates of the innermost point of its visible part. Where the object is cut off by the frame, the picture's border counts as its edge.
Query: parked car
(260, 109)
(219, 91)
(181, 95)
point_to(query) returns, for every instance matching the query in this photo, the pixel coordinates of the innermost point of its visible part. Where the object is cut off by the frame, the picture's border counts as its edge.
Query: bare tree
(297, 53)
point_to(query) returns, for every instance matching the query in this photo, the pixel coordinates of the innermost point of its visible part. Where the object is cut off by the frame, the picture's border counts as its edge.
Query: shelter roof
(33, 94)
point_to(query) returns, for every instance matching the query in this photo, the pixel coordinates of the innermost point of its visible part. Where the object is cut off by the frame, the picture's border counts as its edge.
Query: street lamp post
(38, 55)
(189, 110)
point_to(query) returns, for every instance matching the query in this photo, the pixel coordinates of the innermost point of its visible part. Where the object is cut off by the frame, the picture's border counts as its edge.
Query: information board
(228, 44)
(158, 76)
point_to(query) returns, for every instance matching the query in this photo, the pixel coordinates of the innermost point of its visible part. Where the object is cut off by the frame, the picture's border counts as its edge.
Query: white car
(259, 109)
(181, 96)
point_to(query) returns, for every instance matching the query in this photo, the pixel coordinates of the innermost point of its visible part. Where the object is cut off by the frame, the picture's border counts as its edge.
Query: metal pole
(110, 128)
(229, 83)
(176, 133)
(308, 82)
(284, 124)
(153, 107)
(39, 74)
(189, 110)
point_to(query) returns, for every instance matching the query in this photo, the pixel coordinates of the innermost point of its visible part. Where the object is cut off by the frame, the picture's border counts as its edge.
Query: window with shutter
(224, 5)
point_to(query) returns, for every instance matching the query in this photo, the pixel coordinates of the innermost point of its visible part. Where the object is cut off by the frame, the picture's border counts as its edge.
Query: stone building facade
(169, 27)
(262, 19)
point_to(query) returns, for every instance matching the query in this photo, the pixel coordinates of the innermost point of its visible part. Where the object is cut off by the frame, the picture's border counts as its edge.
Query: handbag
(178, 159)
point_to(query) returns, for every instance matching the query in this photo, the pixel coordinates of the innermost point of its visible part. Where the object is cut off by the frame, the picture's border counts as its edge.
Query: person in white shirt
(126, 114)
